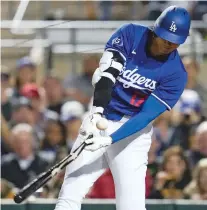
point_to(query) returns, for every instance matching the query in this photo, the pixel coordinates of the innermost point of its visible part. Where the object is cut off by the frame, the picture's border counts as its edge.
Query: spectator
(54, 93)
(38, 102)
(174, 176)
(23, 112)
(79, 87)
(6, 93)
(54, 139)
(193, 68)
(25, 73)
(199, 150)
(33, 93)
(197, 189)
(24, 162)
(188, 116)
(71, 115)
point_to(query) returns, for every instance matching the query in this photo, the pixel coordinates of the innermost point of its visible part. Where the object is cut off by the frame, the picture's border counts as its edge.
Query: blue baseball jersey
(142, 75)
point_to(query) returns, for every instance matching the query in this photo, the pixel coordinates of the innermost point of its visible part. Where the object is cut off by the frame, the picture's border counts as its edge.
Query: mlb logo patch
(117, 41)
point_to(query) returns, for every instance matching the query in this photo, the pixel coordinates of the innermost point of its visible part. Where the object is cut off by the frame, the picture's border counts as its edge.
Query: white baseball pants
(127, 160)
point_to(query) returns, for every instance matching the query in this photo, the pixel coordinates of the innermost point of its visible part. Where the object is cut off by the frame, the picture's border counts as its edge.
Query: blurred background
(49, 51)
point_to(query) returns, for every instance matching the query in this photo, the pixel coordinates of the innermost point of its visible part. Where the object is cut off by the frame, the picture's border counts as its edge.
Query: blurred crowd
(124, 10)
(41, 120)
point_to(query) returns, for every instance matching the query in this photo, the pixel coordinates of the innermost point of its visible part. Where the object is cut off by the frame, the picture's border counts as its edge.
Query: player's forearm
(102, 93)
(151, 109)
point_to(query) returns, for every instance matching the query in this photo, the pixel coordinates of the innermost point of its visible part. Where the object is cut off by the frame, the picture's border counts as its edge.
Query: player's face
(164, 47)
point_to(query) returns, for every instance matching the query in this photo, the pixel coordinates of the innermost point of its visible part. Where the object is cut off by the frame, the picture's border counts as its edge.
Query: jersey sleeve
(170, 89)
(122, 40)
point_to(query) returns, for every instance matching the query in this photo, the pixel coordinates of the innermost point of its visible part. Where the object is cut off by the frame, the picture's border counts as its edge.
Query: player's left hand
(89, 127)
(98, 142)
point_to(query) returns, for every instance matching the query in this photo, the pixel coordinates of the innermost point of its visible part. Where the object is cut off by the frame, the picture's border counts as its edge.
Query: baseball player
(140, 75)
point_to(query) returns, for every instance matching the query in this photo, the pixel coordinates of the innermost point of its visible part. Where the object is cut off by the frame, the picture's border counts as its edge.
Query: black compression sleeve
(103, 89)
(102, 93)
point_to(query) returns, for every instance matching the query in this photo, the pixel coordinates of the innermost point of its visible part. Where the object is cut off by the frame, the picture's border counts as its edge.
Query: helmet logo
(173, 27)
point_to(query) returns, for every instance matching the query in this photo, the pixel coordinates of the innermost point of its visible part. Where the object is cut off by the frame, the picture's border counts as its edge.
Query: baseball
(102, 124)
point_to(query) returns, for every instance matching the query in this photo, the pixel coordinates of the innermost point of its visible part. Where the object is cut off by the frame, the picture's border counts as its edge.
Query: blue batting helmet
(173, 25)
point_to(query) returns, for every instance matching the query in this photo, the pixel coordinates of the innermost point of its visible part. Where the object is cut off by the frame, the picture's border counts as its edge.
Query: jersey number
(137, 101)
